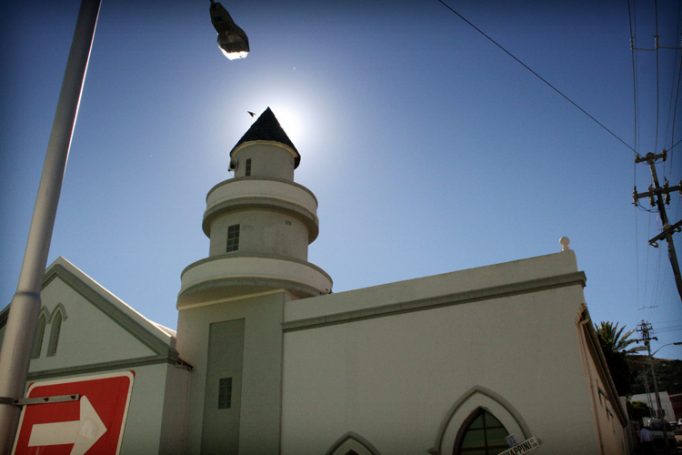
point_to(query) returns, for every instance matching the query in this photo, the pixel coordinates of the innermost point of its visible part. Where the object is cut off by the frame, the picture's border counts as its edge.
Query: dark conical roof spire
(267, 128)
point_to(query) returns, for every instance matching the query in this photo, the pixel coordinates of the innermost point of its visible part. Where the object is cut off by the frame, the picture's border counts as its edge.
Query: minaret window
(247, 171)
(232, 238)
(225, 393)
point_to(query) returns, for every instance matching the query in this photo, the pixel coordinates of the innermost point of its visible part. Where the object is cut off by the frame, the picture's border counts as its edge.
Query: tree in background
(638, 410)
(617, 346)
(613, 338)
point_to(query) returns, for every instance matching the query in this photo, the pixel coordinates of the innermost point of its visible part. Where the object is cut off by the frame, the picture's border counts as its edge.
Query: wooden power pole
(659, 197)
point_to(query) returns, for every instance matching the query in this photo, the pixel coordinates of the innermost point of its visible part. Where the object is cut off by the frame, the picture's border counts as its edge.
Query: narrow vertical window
(247, 171)
(56, 327)
(232, 238)
(38, 340)
(225, 393)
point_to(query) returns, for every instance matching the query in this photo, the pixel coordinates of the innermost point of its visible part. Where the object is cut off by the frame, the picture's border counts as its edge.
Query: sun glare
(290, 121)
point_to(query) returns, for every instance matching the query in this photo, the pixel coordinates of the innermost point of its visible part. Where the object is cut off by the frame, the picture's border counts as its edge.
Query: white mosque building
(266, 360)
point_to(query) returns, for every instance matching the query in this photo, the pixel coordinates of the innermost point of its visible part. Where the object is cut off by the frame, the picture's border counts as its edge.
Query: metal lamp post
(25, 305)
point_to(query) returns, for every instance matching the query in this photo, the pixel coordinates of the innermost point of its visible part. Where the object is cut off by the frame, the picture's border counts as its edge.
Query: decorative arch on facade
(460, 414)
(352, 444)
(58, 316)
(481, 432)
(37, 347)
(61, 309)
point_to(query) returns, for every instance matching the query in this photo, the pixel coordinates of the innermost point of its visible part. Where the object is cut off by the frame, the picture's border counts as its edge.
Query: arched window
(481, 434)
(40, 333)
(352, 444)
(464, 412)
(55, 328)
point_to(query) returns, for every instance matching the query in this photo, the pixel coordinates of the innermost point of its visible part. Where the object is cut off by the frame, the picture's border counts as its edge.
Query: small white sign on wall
(522, 447)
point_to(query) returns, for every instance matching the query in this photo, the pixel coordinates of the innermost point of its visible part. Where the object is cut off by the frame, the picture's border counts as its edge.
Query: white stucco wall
(261, 373)
(101, 335)
(268, 158)
(394, 378)
(142, 432)
(612, 436)
(261, 232)
(87, 334)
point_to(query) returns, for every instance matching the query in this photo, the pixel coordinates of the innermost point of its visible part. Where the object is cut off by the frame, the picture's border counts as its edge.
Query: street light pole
(25, 305)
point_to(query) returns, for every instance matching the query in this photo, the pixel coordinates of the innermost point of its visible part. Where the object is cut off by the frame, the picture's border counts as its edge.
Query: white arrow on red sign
(82, 433)
(92, 425)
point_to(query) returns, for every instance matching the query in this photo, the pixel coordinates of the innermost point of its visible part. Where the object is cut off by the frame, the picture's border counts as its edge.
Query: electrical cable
(658, 97)
(534, 73)
(674, 115)
(636, 220)
(632, 17)
(635, 114)
(675, 145)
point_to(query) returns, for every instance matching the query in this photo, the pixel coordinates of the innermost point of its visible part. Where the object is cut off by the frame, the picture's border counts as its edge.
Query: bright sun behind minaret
(290, 120)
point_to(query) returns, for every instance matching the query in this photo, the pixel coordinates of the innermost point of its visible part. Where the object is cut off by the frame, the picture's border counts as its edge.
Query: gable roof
(159, 339)
(147, 331)
(267, 128)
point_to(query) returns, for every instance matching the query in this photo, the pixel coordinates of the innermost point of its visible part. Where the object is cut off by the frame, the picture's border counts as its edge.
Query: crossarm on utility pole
(655, 195)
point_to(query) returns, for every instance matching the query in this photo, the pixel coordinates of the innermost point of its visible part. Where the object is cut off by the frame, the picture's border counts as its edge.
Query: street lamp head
(232, 40)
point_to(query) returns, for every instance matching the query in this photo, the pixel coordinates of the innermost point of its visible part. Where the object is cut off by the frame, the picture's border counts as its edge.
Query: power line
(534, 73)
(633, 25)
(674, 116)
(675, 144)
(658, 97)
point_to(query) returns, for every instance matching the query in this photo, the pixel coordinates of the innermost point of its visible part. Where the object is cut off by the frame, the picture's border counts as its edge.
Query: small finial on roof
(565, 242)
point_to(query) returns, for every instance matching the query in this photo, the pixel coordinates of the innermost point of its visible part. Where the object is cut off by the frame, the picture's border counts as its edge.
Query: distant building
(649, 399)
(267, 360)
(676, 402)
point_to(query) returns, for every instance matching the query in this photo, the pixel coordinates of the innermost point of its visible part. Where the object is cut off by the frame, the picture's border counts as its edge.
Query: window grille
(225, 393)
(232, 238)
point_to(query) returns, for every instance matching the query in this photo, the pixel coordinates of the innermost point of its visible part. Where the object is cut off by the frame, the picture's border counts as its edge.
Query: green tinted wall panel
(220, 432)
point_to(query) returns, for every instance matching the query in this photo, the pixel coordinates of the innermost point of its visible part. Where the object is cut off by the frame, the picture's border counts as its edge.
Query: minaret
(231, 303)
(260, 224)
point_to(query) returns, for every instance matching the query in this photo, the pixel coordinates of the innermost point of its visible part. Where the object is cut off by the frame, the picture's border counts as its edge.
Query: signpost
(522, 447)
(92, 424)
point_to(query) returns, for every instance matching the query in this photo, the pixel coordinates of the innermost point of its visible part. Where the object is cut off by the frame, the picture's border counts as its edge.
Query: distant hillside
(668, 373)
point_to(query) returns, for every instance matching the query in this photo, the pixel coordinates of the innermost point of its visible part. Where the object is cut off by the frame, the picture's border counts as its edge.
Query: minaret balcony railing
(235, 276)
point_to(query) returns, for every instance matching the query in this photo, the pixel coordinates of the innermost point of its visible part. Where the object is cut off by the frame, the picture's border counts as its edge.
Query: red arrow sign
(92, 424)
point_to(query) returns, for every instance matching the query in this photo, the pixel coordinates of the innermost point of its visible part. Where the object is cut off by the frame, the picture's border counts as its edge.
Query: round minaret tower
(259, 223)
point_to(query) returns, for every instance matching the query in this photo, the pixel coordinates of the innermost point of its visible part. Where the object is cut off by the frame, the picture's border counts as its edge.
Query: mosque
(267, 360)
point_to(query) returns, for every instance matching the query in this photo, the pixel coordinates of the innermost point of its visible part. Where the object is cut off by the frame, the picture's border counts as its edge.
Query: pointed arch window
(481, 434)
(40, 334)
(352, 444)
(55, 328)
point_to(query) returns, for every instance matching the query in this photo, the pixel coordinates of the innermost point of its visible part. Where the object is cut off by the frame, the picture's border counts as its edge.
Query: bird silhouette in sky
(251, 113)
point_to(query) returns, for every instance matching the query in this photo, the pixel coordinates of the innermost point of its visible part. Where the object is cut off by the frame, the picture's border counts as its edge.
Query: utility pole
(645, 328)
(656, 198)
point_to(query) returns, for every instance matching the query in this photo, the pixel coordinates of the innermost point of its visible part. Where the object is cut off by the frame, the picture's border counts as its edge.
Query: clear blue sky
(429, 149)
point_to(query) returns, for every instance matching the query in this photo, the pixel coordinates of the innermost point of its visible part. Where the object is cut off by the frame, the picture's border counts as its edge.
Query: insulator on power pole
(651, 196)
(664, 153)
(634, 196)
(666, 185)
